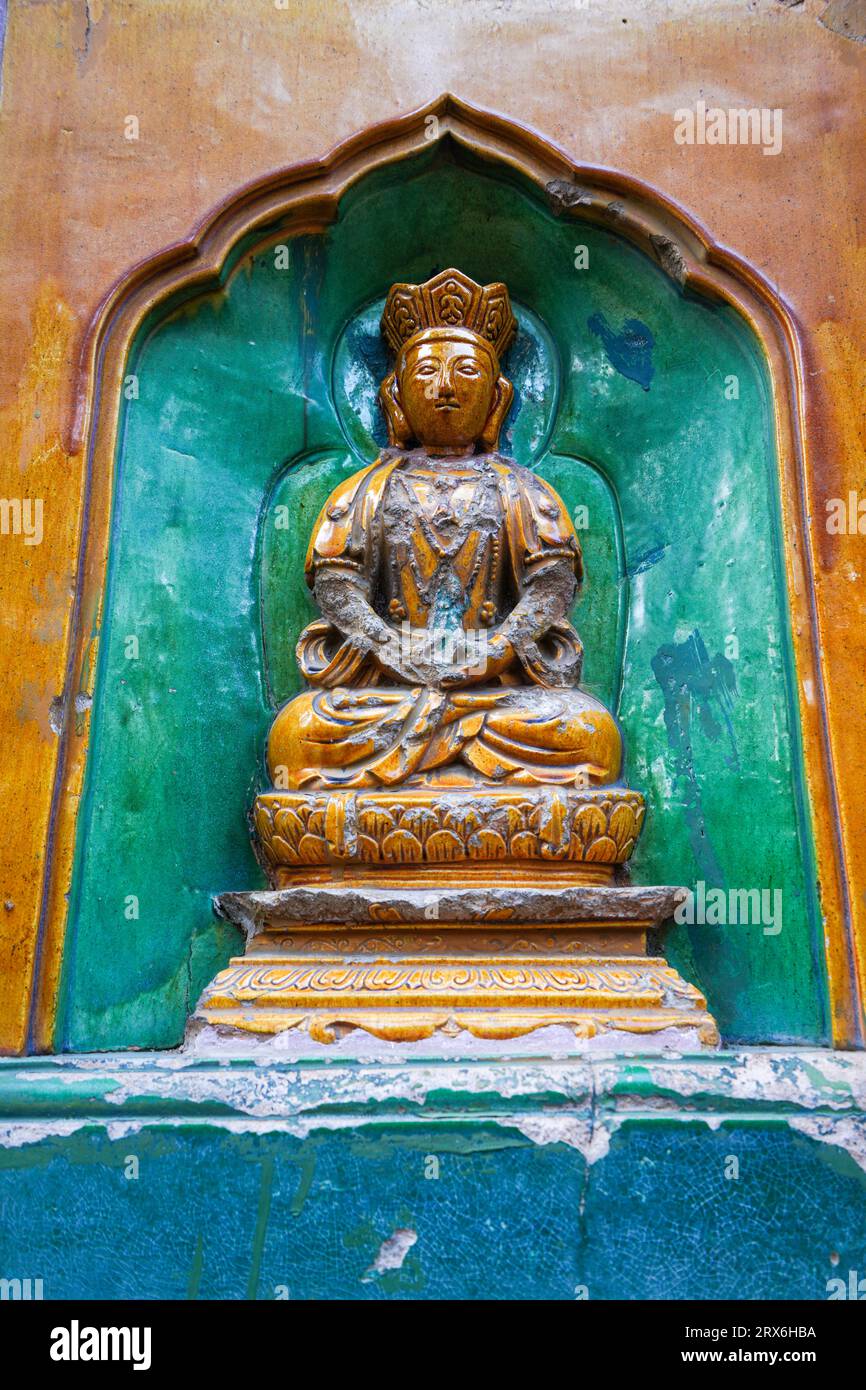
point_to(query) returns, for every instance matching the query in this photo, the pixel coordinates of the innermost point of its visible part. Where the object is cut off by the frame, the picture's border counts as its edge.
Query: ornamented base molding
(407, 999)
(413, 1025)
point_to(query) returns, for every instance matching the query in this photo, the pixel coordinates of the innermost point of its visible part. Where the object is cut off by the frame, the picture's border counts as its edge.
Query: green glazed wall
(243, 406)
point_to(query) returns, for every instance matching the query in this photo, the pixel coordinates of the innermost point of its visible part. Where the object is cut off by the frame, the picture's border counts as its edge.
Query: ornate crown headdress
(449, 300)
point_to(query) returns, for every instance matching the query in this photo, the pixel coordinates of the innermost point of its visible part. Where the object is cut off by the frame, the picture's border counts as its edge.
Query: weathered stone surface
(346, 904)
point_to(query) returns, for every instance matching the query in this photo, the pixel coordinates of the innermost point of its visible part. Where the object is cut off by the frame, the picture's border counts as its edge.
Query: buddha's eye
(468, 368)
(426, 369)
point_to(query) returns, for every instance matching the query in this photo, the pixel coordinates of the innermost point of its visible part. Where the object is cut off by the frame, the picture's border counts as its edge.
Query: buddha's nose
(445, 389)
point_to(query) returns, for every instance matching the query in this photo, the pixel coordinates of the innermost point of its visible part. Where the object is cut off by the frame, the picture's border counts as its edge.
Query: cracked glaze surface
(605, 1176)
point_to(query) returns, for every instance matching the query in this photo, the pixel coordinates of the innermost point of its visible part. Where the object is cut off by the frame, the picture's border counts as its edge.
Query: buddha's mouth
(447, 405)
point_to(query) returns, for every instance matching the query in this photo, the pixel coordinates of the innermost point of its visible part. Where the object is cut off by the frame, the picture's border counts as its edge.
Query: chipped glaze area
(436, 1178)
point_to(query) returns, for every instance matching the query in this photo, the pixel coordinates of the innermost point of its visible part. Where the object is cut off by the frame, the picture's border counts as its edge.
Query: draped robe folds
(441, 555)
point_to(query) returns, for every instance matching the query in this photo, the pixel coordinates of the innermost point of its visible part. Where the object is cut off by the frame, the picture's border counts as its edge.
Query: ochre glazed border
(305, 198)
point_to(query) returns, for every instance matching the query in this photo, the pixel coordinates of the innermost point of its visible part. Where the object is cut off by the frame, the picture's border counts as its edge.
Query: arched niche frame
(143, 1001)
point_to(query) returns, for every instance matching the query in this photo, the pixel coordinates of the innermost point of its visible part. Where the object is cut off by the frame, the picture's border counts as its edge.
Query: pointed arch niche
(659, 389)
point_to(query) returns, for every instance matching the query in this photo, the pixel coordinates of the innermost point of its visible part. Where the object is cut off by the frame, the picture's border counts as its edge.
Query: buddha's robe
(443, 553)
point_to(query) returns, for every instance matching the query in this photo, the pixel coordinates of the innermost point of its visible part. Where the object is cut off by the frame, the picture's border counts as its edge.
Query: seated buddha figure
(444, 573)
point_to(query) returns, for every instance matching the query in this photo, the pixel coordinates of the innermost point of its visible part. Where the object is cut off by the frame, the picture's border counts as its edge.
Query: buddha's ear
(399, 433)
(503, 395)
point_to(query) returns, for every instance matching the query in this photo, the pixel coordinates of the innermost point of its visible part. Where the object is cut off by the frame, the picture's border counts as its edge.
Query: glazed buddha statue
(446, 835)
(444, 573)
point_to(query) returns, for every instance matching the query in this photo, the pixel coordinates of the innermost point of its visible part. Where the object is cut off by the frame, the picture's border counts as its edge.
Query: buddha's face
(446, 391)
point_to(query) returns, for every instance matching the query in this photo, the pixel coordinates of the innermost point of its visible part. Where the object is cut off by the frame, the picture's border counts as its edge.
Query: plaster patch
(808, 1079)
(278, 1093)
(848, 1134)
(392, 1253)
(548, 1099)
(581, 1132)
(21, 1132)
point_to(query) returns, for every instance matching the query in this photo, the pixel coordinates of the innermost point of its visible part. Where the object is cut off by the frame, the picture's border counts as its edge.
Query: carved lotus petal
(524, 845)
(368, 848)
(402, 848)
(589, 822)
(269, 854)
(289, 825)
(486, 844)
(420, 821)
(602, 851)
(376, 821)
(280, 851)
(462, 822)
(622, 827)
(444, 845)
(513, 817)
(313, 849)
(316, 821)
